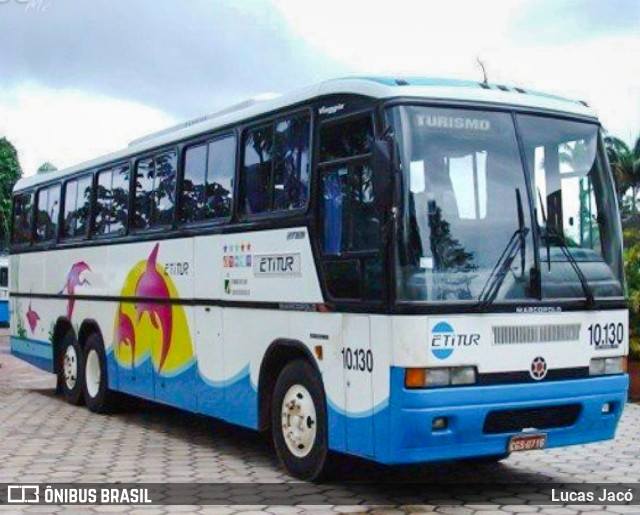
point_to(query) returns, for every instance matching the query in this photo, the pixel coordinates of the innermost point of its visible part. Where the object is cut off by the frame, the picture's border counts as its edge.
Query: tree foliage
(10, 172)
(47, 167)
(625, 166)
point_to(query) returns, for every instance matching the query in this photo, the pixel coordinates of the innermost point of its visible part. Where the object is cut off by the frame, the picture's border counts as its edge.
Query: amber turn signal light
(415, 377)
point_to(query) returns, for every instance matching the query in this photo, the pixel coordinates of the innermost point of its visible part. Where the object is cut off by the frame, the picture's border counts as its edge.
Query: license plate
(519, 443)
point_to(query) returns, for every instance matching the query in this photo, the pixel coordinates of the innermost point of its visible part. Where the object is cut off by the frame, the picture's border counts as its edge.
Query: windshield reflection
(464, 232)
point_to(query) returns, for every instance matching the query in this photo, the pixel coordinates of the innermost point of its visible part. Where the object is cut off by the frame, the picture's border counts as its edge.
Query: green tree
(625, 165)
(47, 167)
(10, 172)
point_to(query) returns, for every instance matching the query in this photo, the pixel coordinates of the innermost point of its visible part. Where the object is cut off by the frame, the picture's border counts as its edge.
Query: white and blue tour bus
(404, 270)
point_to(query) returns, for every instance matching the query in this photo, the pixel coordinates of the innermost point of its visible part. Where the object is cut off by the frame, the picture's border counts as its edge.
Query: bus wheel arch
(88, 327)
(277, 356)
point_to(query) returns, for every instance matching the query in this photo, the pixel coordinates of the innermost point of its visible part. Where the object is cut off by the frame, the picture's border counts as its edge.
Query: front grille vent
(547, 333)
(516, 420)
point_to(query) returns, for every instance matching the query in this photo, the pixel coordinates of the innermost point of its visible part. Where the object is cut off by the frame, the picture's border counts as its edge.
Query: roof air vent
(502, 87)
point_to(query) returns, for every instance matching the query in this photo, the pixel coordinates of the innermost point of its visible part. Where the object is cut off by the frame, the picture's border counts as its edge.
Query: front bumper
(411, 439)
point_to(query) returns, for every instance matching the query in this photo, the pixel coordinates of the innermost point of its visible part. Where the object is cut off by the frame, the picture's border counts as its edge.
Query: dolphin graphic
(73, 281)
(32, 318)
(127, 334)
(152, 285)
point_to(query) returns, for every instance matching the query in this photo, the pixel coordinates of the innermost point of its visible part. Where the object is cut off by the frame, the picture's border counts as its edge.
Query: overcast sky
(81, 78)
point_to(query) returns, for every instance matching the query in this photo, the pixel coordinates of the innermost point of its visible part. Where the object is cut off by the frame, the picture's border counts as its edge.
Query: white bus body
(422, 362)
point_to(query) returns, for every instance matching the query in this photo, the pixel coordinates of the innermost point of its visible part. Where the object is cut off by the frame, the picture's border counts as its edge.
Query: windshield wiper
(516, 243)
(588, 292)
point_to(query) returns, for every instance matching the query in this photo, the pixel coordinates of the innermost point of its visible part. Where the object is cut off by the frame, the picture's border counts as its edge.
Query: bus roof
(374, 87)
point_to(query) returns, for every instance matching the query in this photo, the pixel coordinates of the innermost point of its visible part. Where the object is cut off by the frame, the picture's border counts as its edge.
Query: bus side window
(22, 218)
(164, 188)
(155, 190)
(256, 172)
(48, 210)
(276, 168)
(221, 168)
(207, 188)
(77, 199)
(112, 198)
(103, 203)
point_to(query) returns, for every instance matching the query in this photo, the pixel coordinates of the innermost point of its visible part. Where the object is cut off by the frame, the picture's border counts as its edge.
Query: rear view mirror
(382, 172)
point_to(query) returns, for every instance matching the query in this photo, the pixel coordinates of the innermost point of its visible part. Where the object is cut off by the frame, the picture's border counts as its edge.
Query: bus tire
(299, 421)
(71, 369)
(97, 396)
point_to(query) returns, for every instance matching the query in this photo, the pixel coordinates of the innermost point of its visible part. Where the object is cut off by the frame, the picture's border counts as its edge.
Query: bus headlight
(442, 376)
(463, 375)
(605, 366)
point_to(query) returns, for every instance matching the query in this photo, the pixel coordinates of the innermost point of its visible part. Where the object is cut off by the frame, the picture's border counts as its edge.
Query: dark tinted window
(346, 139)
(155, 190)
(120, 194)
(112, 195)
(208, 180)
(4, 277)
(256, 173)
(276, 167)
(291, 163)
(343, 278)
(350, 219)
(47, 215)
(165, 188)
(144, 194)
(22, 218)
(77, 200)
(194, 184)
(221, 171)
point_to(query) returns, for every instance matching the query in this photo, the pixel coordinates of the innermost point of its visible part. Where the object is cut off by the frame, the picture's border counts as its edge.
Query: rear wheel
(299, 421)
(97, 395)
(70, 369)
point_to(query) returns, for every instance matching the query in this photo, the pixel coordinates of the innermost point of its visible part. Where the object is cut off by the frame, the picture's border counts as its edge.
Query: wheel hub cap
(299, 422)
(92, 373)
(70, 367)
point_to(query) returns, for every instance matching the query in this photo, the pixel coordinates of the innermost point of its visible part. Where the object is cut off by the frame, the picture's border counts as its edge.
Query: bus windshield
(465, 229)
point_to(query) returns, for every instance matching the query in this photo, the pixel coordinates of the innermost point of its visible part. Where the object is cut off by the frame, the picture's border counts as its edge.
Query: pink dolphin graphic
(152, 285)
(126, 334)
(32, 318)
(73, 281)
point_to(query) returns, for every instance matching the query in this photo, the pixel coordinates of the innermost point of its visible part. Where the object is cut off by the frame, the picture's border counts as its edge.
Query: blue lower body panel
(4, 313)
(411, 439)
(36, 352)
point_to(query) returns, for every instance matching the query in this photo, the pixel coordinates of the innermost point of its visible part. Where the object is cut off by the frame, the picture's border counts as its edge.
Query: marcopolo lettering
(454, 122)
(276, 265)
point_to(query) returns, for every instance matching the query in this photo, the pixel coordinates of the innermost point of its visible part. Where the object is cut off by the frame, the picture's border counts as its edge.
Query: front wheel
(71, 369)
(299, 421)
(97, 395)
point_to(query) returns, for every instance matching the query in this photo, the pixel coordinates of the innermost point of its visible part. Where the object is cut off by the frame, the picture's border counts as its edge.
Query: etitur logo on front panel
(444, 340)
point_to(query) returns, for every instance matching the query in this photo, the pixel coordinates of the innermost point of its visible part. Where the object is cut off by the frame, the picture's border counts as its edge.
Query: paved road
(42, 439)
